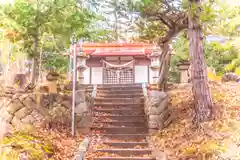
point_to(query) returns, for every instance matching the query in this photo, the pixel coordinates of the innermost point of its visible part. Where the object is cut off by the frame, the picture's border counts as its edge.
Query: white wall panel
(97, 73)
(141, 74)
(86, 74)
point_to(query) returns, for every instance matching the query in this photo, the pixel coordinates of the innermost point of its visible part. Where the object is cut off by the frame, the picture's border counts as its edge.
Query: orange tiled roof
(116, 49)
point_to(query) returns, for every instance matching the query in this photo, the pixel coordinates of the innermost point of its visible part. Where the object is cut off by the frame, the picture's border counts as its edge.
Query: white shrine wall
(86, 75)
(141, 74)
(97, 75)
(142, 71)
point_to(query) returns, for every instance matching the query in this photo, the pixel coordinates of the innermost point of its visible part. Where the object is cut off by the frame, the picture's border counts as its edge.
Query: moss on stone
(22, 144)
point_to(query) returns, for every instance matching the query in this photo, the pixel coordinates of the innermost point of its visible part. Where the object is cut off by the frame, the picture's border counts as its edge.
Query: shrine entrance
(118, 74)
(114, 63)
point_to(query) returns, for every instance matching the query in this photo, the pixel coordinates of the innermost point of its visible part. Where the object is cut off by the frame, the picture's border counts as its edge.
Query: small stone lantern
(183, 67)
(81, 65)
(155, 64)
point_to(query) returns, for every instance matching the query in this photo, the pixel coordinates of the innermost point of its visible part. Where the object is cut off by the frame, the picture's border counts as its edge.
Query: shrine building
(117, 63)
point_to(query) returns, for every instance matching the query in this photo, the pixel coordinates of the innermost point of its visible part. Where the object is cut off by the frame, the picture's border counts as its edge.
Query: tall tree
(28, 21)
(170, 17)
(161, 22)
(202, 96)
(119, 17)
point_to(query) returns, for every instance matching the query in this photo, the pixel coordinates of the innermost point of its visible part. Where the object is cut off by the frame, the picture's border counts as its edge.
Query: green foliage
(227, 22)
(231, 67)
(161, 20)
(1, 36)
(118, 18)
(181, 48)
(217, 17)
(151, 31)
(101, 35)
(46, 26)
(55, 60)
(222, 57)
(19, 21)
(219, 55)
(24, 143)
(52, 23)
(237, 71)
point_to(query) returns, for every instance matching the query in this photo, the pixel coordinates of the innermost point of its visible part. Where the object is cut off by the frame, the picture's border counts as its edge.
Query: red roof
(116, 49)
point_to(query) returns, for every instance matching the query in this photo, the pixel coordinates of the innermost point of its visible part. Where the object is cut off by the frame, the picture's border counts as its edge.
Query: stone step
(124, 158)
(120, 130)
(116, 98)
(126, 91)
(118, 112)
(117, 104)
(119, 107)
(110, 110)
(123, 113)
(119, 99)
(119, 85)
(120, 118)
(120, 95)
(126, 152)
(120, 124)
(107, 119)
(126, 144)
(123, 137)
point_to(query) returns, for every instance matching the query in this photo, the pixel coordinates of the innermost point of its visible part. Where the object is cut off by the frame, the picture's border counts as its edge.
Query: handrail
(144, 88)
(83, 149)
(94, 92)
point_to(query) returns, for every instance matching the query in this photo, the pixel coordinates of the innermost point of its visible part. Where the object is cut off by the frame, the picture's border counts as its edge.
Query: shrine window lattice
(118, 76)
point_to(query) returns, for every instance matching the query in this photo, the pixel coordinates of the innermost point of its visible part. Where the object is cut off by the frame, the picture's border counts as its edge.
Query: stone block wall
(18, 108)
(156, 109)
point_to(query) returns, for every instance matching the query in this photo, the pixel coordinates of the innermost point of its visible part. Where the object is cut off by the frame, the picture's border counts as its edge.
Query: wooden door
(118, 76)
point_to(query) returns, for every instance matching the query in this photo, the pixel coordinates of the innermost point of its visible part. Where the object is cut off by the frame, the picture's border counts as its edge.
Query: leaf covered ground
(40, 144)
(214, 140)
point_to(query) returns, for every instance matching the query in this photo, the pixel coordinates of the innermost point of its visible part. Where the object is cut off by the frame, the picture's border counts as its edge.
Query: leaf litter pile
(218, 139)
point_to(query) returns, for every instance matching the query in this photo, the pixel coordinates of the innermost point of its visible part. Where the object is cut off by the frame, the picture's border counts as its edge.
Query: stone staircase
(119, 128)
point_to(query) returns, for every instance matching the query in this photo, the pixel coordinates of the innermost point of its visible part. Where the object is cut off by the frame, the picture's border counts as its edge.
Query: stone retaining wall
(156, 109)
(18, 108)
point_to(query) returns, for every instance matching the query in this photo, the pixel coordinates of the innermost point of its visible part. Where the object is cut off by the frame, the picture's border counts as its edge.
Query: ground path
(119, 130)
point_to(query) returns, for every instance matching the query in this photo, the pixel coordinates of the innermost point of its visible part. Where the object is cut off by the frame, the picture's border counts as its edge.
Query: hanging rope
(125, 65)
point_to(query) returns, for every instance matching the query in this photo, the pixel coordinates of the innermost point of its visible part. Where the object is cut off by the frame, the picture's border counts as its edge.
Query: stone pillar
(183, 67)
(81, 66)
(81, 74)
(155, 72)
(155, 64)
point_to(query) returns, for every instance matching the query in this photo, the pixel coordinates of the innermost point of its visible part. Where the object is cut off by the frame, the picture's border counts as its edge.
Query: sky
(234, 2)
(5, 1)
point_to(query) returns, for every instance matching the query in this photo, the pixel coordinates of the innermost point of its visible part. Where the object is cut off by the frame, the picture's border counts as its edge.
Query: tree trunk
(164, 66)
(36, 42)
(34, 68)
(34, 62)
(201, 92)
(116, 21)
